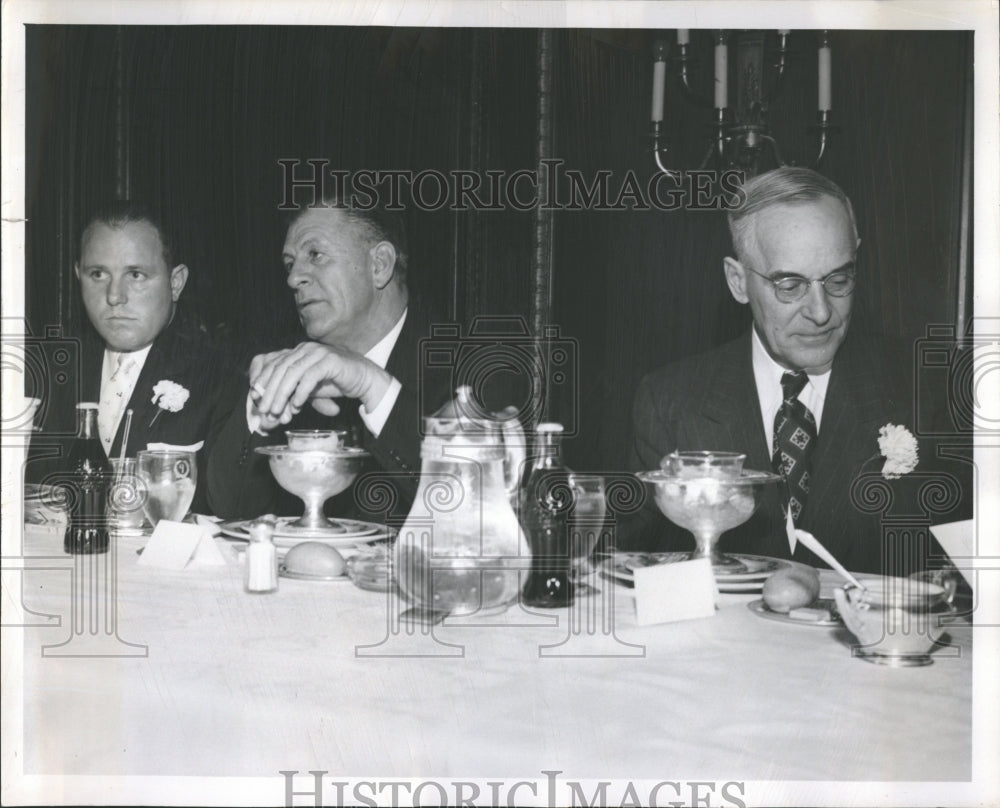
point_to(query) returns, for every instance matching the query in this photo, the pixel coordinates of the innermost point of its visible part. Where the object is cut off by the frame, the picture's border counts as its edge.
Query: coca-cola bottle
(548, 498)
(90, 477)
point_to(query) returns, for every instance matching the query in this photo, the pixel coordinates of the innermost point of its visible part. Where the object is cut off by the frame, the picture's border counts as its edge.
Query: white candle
(683, 36)
(824, 78)
(659, 82)
(721, 76)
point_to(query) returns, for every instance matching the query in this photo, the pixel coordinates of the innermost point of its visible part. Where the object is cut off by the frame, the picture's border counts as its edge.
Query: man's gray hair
(788, 185)
(377, 223)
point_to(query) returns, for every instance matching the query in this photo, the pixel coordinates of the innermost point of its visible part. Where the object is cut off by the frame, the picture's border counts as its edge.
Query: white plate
(284, 572)
(357, 533)
(743, 587)
(759, 608)
(759, 567)
(622, 565)
(34, 491)
(49, 496)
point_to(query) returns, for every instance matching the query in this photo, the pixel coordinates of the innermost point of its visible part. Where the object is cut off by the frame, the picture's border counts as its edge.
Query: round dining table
(136, 680)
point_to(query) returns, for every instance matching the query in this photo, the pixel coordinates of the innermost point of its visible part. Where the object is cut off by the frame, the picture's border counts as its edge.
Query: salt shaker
(261, 558)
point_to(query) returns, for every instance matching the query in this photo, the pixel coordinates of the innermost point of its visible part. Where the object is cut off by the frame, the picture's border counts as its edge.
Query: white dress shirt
(130, 369)
(767, 374)
(379, 353)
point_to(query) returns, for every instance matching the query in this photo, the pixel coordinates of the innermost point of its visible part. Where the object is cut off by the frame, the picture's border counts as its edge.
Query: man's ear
(383, 257)
(178, 277)
(736, 278)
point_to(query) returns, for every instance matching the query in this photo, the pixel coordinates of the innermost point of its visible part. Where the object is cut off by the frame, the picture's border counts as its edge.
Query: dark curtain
(641, 288)
(209, 111)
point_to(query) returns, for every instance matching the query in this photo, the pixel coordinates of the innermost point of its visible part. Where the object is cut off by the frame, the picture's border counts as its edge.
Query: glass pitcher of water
(461, 549)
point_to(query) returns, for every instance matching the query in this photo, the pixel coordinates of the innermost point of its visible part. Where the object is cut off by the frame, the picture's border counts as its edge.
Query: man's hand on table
(282, 382)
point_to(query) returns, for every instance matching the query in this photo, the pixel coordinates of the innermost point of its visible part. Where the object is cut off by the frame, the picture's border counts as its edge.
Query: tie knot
(118, 364)
(793, 382)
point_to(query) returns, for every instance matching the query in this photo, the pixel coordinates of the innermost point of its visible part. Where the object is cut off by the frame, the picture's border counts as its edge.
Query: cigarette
(256, 391)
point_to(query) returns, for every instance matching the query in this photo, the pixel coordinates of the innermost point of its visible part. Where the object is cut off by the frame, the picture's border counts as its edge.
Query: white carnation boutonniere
(899, 448)
(169, 396)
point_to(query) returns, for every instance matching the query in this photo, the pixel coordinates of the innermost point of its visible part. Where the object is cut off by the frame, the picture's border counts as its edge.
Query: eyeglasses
(791, 288)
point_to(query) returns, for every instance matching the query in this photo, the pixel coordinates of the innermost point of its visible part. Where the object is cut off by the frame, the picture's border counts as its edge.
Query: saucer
(622, 566)
(757, 567)
(759, 608)
(354, 532)
(284, 572)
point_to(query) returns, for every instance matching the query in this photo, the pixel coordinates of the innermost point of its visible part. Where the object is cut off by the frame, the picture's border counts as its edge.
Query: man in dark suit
(361, 363)
(797, 394)
(145, 355)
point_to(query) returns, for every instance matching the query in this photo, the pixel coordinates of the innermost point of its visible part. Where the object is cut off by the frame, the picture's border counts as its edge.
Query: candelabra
(740, 132)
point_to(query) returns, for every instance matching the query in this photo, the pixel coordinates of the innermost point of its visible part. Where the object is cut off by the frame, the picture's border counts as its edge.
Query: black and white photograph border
(293, 783)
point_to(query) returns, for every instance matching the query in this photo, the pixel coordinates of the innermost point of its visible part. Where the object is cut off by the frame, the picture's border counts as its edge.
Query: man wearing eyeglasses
(796, 395)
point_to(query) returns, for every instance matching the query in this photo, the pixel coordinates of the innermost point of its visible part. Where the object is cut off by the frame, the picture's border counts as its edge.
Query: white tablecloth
(316, 677)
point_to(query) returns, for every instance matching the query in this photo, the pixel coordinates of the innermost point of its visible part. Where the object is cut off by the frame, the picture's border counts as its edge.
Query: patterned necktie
(115, 396)
(794, 440)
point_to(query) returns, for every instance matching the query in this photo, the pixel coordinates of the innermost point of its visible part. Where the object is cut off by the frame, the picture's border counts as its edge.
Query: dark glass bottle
(90, 477)
(548, 499)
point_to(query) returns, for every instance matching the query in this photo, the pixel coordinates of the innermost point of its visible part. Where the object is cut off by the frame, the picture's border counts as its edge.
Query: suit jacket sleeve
(396, 450)
(652, 438)
(240, 483)
(650, 432)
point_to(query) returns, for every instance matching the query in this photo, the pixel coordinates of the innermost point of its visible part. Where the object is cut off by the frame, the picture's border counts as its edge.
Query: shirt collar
(766, 370)
(380, 351)
(139, 357)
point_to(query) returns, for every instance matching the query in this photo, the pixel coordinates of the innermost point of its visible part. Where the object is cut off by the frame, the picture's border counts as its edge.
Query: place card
(956, 539)
(45, 516)
(176, 545)
(682, 590)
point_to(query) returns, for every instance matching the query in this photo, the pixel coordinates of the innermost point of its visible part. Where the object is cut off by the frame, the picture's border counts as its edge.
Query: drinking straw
(121, 458)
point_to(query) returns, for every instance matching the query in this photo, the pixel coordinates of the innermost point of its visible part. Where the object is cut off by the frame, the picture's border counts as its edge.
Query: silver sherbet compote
(708, 493)
(314, 475)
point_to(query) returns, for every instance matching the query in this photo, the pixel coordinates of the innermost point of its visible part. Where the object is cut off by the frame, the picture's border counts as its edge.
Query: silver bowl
(314, 476)
(309, 439)
(708, 506)
(897, 621)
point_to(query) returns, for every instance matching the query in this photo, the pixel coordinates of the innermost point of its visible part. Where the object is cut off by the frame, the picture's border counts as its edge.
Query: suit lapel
(162, 362)
(732, 403)
(731, 419)
(402, 365)
(91, 367)
(851, 413)
(847, 439)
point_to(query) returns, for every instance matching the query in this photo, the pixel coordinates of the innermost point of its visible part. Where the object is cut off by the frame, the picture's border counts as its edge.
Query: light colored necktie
(113, 401)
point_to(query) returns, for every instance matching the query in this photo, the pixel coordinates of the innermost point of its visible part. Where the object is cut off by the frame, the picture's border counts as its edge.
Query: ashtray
(371, 569)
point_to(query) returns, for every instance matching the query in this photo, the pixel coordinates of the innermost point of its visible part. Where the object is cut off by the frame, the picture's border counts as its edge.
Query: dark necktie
(794, 440)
